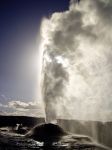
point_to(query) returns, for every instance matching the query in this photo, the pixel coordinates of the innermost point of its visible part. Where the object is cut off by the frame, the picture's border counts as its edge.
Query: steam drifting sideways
(77, 62)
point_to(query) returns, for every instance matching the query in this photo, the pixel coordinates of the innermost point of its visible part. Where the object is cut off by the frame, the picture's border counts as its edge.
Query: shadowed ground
(46, 137)
(51, 133)
(47, 133)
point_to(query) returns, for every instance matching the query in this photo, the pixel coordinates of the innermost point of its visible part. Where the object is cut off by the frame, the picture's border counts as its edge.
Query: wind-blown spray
(77, 62)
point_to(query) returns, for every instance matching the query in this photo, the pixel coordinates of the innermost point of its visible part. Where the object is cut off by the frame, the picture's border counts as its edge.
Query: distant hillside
(25, 120)
(102, 132)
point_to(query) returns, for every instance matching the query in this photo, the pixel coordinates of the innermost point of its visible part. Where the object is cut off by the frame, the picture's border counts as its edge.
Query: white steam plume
(77, 64)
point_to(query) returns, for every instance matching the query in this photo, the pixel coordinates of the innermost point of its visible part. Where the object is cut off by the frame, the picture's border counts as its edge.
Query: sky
(19, 41)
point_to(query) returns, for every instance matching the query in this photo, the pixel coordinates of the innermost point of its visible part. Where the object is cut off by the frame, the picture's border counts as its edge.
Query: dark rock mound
(47, 133)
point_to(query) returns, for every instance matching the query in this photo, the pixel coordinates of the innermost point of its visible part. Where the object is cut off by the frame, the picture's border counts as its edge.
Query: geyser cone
(47, 133)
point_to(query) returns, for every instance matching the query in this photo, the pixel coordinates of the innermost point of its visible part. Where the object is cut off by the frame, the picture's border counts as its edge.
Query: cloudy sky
(19, 41)
(76, 42)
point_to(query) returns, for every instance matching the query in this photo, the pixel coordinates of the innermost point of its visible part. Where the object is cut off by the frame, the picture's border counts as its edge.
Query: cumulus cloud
(26, 108)
(22, 105)
(22, 108)
(78, 60)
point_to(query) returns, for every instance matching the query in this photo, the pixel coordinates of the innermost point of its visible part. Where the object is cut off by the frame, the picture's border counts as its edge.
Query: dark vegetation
(11, 121)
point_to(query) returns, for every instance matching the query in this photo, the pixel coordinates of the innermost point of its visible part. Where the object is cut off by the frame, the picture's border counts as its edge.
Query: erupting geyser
(77, 61)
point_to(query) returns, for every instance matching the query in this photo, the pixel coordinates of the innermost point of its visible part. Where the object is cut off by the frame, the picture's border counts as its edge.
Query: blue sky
(19, 31)
(19, 27)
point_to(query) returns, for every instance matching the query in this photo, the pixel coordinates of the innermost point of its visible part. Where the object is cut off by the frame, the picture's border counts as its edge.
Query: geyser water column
(77, 62)
(52, 89)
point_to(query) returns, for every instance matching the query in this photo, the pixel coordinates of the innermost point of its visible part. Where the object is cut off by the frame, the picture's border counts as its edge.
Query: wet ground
(11, 141)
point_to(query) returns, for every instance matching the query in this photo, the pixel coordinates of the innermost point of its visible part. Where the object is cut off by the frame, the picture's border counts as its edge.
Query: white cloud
(26, 108)
(23, 105)
(22, 108)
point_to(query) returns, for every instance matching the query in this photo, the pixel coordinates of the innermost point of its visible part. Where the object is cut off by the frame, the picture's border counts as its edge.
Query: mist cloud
(78, 61)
